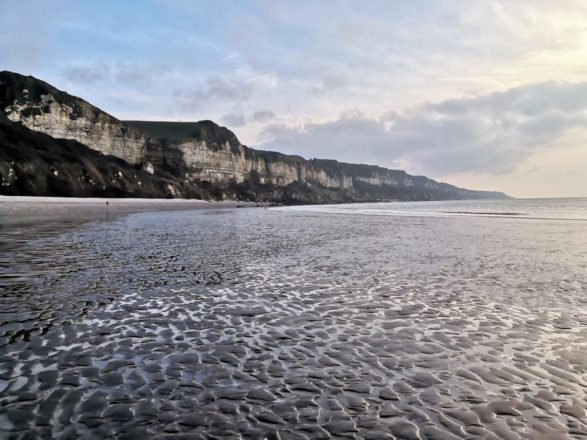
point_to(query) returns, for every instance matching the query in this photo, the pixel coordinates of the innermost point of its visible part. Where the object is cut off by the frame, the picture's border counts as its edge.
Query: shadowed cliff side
(106, 156)
(35, 164)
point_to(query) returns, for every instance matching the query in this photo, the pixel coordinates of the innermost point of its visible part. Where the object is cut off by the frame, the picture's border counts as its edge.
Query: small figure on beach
(106, 202)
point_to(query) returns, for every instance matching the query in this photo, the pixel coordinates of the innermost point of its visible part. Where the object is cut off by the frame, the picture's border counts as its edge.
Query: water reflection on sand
(268, 324)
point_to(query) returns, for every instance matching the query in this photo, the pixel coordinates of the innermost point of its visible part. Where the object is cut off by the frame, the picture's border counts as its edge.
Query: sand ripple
(257, 324)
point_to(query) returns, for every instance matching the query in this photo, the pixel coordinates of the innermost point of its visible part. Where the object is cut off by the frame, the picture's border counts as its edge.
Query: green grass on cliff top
(170, 130)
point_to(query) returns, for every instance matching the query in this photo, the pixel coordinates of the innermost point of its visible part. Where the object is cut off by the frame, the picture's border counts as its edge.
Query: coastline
(20, 211)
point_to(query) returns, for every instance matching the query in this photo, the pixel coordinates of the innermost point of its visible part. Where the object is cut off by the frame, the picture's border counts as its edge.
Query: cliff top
(206, 130)
(23, 89)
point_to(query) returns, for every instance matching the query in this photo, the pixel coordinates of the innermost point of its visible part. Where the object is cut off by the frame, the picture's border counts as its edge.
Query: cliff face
(33, 163)
(201, 159)
(43, 108)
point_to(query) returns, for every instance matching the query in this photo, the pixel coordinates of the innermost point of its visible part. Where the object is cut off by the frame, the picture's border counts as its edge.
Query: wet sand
(275, 324)
(20, 210)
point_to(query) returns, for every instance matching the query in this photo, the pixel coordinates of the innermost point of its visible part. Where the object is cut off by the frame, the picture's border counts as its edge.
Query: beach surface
(298, 323)
(23, 210)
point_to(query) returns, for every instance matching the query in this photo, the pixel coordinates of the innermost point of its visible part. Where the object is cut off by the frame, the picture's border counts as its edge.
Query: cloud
(262, 116)
(216, 90)
(125, 74)
(238, 119)
(85, 74)
(233, 120)
(491, 133)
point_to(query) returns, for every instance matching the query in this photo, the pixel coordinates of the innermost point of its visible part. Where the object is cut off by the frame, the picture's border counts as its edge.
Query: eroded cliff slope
(173, 159)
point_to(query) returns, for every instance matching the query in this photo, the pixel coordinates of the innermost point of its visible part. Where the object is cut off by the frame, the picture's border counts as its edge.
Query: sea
(400, 320)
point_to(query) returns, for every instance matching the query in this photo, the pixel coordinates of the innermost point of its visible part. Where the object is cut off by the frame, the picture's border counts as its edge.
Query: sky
(484, 94)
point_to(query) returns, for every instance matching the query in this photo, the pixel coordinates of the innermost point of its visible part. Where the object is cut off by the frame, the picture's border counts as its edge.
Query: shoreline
(22, 211)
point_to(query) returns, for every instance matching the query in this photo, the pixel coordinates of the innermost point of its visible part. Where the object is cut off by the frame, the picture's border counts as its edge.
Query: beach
(297, 322)
(23, 210)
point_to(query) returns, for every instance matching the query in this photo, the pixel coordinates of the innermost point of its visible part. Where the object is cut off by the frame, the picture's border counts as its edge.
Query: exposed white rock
(11, 177)
(225, 164)
(84, 124)
(149, 168)
(173, 190)
(218, 164)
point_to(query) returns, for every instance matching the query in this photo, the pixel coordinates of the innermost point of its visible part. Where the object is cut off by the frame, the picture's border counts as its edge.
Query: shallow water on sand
(295, 324)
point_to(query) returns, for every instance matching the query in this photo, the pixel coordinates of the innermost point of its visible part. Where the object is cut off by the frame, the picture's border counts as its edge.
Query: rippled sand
(276, 324)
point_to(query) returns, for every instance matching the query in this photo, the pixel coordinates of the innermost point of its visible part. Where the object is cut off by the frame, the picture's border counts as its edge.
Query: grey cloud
(262, 116)
(529, 100)
(216, 89)
(332, 81)
(354, 138)
(233, 120)
(85, 75)
(122, 73)
(489, 133)
(238, 120)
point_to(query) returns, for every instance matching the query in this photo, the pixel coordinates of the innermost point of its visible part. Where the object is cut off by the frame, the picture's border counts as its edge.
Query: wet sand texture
(260, 324)
(27, 211)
